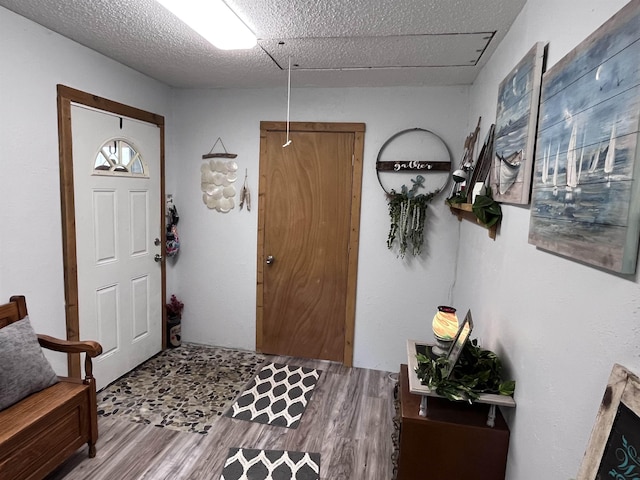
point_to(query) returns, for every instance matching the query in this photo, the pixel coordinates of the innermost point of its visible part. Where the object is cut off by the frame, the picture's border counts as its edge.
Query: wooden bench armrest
(90, 347)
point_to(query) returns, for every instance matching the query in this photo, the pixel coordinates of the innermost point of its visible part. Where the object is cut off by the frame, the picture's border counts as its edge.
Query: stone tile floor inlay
(183, 388)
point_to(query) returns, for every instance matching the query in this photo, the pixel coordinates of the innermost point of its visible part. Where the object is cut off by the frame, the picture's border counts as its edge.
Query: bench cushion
(23, 367)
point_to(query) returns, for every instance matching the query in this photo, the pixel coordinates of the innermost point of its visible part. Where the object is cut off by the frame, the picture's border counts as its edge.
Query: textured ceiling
(332, 43)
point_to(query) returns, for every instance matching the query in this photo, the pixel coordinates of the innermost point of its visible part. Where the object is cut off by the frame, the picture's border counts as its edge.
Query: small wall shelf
(464, 210)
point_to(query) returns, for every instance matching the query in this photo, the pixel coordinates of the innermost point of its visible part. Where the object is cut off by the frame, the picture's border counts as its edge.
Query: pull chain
(288, 103)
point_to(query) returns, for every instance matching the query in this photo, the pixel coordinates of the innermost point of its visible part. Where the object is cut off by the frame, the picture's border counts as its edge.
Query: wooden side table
(452, 442)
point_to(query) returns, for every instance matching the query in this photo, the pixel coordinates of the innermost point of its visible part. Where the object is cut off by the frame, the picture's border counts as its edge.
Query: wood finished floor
(348, 421)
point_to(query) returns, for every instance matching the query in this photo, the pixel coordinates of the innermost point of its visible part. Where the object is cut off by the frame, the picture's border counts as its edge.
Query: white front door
(116, 177)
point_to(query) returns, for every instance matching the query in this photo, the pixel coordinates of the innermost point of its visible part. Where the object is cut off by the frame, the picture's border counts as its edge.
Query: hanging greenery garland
(477, 371)
(408, 211)
(408, 208)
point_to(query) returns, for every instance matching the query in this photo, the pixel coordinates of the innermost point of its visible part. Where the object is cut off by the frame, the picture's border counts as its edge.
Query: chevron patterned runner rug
(278, 395)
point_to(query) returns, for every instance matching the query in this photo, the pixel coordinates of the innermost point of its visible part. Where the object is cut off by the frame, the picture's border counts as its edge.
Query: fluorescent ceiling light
(214, 20)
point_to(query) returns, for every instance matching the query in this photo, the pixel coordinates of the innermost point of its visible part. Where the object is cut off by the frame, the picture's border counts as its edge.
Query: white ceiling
(332, 43)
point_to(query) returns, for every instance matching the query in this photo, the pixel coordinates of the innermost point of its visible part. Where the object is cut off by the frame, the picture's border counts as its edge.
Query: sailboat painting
(517, 115)
(585, 201)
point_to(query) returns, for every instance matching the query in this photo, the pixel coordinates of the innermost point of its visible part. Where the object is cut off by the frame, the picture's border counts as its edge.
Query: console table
(452, 442)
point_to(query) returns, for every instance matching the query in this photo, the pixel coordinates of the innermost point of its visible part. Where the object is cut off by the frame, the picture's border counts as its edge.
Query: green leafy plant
(407, 210)
(477, 371)
(487, 209)
(458, 197)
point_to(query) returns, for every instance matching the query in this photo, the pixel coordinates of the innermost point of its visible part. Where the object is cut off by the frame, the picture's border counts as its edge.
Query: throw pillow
(25, 369)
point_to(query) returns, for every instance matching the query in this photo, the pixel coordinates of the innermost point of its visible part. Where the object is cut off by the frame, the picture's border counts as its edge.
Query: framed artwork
(483, 164)
(586, 191)
(464, 332)
(612, 451)
(515, 131)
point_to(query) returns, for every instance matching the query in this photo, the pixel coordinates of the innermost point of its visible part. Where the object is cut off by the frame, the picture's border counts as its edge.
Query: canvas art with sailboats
(587, 167)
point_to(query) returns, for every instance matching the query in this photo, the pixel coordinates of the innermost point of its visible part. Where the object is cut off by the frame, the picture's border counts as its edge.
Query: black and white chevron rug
(249, 464)
(278, 395)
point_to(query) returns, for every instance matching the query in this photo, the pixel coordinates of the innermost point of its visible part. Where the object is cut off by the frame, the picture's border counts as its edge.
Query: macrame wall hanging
(218, 174)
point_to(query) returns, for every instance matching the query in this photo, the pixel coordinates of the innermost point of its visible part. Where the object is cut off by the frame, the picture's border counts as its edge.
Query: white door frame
(66, 95)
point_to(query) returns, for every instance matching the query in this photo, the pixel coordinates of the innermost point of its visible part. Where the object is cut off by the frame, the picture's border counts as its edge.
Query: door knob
(158, 257)
(270, 259)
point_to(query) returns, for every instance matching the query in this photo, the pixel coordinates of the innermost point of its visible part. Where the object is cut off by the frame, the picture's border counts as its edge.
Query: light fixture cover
(213, 20)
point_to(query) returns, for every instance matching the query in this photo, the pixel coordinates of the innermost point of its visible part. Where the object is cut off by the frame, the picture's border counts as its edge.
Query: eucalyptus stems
(408, 211)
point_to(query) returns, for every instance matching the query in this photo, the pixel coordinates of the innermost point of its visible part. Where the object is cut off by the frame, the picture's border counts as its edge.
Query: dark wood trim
(358, 130)
(94, 101)
(66, 95)
(68, 228)
(163, 244)
(354, 247)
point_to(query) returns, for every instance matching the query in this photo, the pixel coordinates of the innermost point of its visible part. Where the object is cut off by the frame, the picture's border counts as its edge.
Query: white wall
(215, 274)
(32, 61)
(216, 271)
(559, 325)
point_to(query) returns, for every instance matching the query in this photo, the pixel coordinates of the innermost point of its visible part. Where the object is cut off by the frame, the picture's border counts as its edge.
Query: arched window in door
(119, 157)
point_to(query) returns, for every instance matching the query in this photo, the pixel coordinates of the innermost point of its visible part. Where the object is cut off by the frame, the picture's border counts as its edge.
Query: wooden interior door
(309, 212)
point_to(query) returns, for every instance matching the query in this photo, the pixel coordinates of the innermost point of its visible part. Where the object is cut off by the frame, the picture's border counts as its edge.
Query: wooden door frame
(358, 130)
(66, 95)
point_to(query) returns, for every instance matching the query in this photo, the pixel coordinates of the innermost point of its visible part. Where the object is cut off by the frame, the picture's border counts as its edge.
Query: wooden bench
(41, 431)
